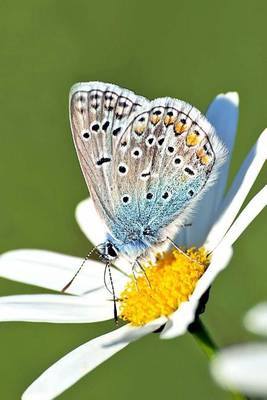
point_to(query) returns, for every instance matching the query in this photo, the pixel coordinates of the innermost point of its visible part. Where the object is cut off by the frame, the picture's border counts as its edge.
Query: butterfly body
(145, 163)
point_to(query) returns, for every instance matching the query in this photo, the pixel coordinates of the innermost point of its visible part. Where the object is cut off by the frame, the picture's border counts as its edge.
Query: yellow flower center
(163, 286)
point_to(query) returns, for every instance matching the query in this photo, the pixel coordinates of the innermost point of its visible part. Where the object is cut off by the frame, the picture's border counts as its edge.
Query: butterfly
(146, 163)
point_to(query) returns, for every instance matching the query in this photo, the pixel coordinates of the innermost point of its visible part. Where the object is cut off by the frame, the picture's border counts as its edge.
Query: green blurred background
(186, 49)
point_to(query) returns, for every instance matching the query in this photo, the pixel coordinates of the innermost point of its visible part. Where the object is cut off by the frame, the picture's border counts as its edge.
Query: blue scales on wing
(145, 163)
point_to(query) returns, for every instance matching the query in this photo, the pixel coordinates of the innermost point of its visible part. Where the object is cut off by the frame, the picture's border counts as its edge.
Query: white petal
(90, 223)
(256, 319)
(239, 190)
(254, 207)
(223, 114)
(55, 308)
(95, 229)
(72, 367)
(242, 368)
(51, 270)
(182, 318)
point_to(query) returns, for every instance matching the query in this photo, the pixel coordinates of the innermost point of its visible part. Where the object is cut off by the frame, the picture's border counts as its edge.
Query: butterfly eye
(111, 251)
(85, 134)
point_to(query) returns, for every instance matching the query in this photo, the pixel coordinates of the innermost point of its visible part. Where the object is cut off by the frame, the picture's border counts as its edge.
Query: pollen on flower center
(163, 287)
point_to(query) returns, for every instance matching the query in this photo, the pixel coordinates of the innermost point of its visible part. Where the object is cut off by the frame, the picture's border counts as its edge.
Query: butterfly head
(110, 252)
(132, 243)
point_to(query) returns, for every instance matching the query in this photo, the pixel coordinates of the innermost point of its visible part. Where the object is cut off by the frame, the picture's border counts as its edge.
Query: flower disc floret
(163, 286)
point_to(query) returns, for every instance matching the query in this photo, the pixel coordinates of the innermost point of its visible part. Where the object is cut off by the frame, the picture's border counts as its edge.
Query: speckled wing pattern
(145, 162)
(99, 114)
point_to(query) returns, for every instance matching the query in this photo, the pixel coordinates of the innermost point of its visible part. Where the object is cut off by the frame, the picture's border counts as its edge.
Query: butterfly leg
(182, 252)
(134, 275)
(144, 272)
(137, 262)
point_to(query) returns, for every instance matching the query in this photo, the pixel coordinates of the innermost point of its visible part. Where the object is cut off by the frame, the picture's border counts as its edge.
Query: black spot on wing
(145, 174)
(189, 171)
(103, 160)
(116, 131)
(105, 126)
(95, 127)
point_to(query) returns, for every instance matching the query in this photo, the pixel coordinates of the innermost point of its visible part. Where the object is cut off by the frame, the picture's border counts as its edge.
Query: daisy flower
(243, 367)
(166, 298)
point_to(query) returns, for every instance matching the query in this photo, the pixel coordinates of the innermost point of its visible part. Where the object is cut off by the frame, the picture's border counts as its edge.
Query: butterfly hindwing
(167, 153)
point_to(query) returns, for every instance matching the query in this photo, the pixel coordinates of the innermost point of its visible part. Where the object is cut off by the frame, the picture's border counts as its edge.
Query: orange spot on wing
(168, 120)
(139, 129)
(192, 139)
(179, 127)
(154, 119)
(205, 159)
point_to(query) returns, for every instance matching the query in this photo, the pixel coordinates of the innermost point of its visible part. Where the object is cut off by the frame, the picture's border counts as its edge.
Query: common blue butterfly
(146, 163)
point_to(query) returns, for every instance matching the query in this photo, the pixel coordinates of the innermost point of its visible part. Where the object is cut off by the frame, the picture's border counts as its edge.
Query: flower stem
(208, 346)
(203, 338)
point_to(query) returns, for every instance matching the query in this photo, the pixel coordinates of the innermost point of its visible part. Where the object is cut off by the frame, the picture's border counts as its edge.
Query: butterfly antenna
(77, 272)
(112, 291)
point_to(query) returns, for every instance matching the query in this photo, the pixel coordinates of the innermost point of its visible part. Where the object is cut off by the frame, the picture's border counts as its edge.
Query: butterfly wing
(168, 154)
(99, 114)
(145, 163)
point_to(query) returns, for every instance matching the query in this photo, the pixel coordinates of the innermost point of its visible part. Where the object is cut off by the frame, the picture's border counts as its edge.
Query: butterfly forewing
(99, 114)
